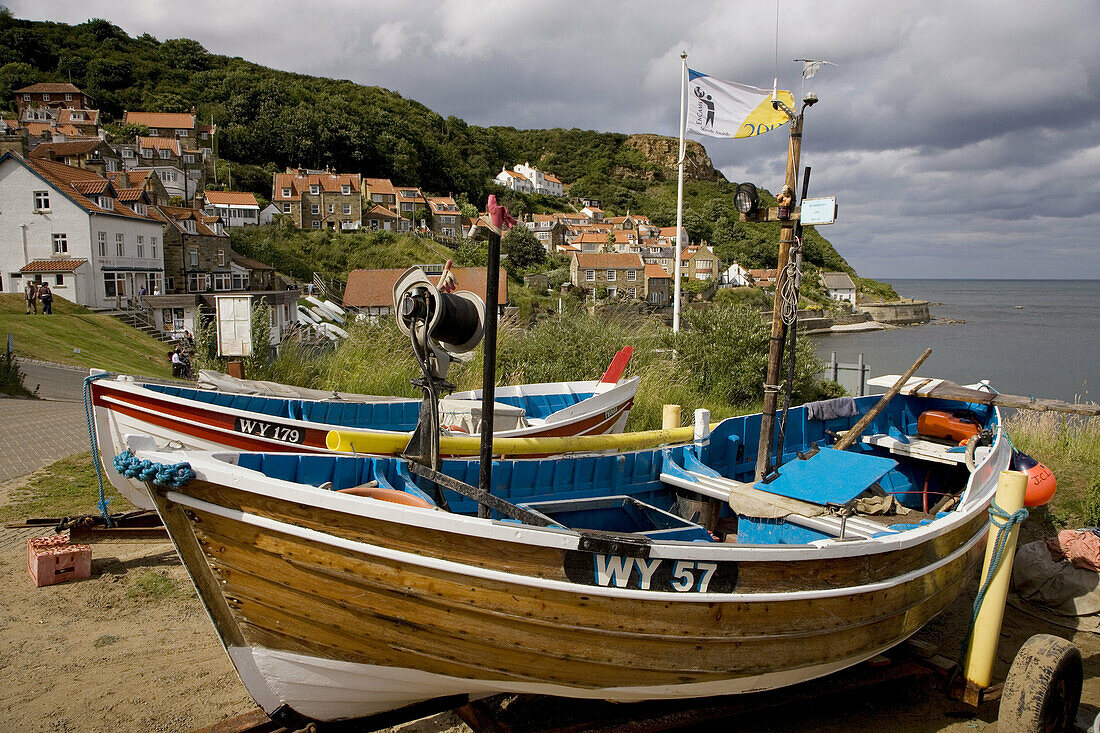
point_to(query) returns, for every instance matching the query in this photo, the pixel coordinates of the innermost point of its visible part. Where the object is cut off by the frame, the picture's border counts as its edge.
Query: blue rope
(1004, 527)
(89, 417)
(173, 476)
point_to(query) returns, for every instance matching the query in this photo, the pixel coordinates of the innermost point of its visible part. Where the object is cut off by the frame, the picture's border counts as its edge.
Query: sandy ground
(98, 655)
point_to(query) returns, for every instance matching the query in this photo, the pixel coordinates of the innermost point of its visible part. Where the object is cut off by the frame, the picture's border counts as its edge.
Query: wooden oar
(853, 435)
(945, 390)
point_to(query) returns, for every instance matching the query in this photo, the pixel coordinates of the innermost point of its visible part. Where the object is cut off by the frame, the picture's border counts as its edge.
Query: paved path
(55, 383)
(35, 433)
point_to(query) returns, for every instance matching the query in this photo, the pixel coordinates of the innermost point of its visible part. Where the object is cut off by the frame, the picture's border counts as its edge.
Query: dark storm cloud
(961, 138)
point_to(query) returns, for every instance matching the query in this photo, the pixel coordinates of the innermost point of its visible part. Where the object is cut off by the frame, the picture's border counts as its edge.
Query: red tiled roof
(374, 288)
(65, 179)
(160, 143)
(232, 198)
(93, 186)
(331, 182)
(37, 128)
(175, 214)
(131, 178)
(552, 178)
(69, 147)
(47, 87)
(438, 202)
(610, 260)
(91, 116)
(131, 194)
(378, 211)
(57, 265)
(379, 185)
(176, 120)
(652, 271)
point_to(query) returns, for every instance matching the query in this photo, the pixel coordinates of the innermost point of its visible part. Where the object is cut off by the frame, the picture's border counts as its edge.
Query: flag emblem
(726, 109)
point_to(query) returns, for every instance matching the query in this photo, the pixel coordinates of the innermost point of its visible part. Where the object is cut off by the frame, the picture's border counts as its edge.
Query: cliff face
(660, 157)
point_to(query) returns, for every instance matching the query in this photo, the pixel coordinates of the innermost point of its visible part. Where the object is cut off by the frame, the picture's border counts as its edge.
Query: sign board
(819, 211)
(234, 319)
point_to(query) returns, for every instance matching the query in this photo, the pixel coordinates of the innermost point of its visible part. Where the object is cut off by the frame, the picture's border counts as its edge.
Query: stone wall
(898, 313)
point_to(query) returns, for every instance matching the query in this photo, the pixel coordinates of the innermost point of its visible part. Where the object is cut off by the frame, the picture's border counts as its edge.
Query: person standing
(31, 294)
(46, 296)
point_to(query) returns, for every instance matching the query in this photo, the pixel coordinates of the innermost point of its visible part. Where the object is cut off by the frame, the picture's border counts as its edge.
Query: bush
(11, 377)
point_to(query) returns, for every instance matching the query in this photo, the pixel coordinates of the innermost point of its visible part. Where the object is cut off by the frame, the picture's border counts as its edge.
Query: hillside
(268, 119)
(75, 335)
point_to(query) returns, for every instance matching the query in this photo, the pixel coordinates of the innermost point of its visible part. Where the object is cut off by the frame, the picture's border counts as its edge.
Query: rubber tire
(1043, 687)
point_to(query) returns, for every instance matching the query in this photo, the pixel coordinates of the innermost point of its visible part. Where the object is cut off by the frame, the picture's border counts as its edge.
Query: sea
(1027, 337)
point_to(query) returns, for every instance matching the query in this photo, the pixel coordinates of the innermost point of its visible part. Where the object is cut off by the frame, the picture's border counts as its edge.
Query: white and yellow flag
(727, 109)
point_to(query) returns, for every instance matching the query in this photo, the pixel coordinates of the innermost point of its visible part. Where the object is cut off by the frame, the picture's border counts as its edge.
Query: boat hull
(340, 609)
(124, 409)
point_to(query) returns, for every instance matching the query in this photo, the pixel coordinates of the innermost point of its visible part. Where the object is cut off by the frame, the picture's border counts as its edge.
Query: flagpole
(680, 193)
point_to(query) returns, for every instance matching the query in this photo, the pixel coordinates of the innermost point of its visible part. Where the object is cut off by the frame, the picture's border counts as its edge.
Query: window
(114, 284)
(316, 225)
(205, 136)
(69, 98)
(631, 275)
(374, 225)
(189, 158)
(153, 132)
(194, 254)
(347, 208)
(408, 207)
(611, 276)
(221, 258)
(314, 188)
(140, 246)
(170, 283)
(127, 153)
(240, 281)
(60, 244)
(633, 292)
(147, 152)
(345, 189)
(45, 97)
(101, 238)
(590, 275)
(139, 209)
(107, 203)
(196, 282)
(286, 193)
(26, 97)
(222, 281)
(181, 133)
(165, 153)
(378, 197)
(315, 208)
(41, 200)
(59, 279)
(612, 292)
(286, 208)
(332, 208)
(153, 247)
(120, 244)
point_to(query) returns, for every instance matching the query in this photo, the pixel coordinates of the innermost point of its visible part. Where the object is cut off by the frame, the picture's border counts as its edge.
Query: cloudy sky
(962, 138)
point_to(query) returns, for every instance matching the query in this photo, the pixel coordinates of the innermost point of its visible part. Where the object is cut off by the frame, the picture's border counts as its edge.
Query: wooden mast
(775, 346)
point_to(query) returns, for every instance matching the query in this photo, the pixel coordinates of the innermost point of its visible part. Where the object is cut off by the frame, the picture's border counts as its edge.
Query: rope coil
(173, 476)
(1003, 522)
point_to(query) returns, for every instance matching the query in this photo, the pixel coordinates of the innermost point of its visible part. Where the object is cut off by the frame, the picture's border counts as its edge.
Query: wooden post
(489, 370)
(775, 347)
(852, 435)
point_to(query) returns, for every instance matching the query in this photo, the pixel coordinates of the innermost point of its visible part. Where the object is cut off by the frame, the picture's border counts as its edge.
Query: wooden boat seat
(924, 449)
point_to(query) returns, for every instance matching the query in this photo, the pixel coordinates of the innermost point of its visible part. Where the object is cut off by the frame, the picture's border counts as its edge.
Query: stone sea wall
(897, 313)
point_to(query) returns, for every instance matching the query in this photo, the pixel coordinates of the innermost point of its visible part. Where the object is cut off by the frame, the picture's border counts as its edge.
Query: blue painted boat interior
(399, 416)
(634, 478)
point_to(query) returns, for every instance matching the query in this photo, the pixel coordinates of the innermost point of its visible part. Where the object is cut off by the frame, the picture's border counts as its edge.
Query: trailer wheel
(1043, 687)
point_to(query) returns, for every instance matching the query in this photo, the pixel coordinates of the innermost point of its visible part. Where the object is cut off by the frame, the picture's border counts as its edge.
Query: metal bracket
(614, 543)
(484, 498)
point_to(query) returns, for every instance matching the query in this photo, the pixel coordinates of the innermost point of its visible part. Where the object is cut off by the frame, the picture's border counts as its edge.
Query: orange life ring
(1041, 483)
(391, 495)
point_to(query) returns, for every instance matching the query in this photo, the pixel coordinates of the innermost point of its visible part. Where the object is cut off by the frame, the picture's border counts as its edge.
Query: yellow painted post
(982, 649)
(670, 417)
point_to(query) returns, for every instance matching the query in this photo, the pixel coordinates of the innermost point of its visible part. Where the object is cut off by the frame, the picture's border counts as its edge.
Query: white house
(65, 226)
(525, 178)
(514, 181)
(735, 276)
(840, 286)
(235, 208)
(267, 216)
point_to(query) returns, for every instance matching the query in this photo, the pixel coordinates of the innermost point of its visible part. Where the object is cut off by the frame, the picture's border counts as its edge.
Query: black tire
(1043, 687)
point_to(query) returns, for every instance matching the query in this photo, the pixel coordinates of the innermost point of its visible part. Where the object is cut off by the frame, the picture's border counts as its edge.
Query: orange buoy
(391, 495)
(1041, 483)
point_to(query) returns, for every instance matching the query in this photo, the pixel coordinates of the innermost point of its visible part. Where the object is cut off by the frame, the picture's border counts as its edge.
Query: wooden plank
(946, 390)
(919, 448)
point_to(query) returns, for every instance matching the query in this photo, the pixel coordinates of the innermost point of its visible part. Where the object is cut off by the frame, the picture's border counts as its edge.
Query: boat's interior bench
(921, 448)
(816, 492)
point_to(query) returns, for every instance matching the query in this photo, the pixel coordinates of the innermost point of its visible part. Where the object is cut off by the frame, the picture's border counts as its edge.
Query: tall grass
(717, 362)
(1070, 447)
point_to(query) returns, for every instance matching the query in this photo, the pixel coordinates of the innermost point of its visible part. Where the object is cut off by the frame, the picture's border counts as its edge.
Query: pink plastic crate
(52, 560)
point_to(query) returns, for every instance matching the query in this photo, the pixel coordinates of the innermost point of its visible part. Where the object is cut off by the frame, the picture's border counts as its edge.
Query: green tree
(124, 133)
(522, 247)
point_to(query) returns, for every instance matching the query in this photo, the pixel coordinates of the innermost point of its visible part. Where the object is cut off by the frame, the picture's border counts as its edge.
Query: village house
(655, 254)
(514, 181)
(234, 208)
(319, 199)
(66, 226)
(51, 94)
(445, 216)
(379, 191)
(658, 285)
(146, 179)
(182, 170)
(91, 154)
(622, 274)
(698, 262)
(550, 231)
(410, 200)
(380, 218)
(735, 276)
(525, 178)
(59, 124)
(183, 126)
(593, 213)
(764, 278)
(371, 291)
(840, 286)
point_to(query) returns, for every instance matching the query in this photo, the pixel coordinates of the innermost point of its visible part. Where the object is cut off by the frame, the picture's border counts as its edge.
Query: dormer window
(26, 97)
(164, 153)
(286, 193)
(345, 189)
(314, 188)
(68, 97)
(146, 152)
(181, 133)
(189, 225)
(106, 202)
(45, 97)
(189, 159)
(140, 209)
(77, 116)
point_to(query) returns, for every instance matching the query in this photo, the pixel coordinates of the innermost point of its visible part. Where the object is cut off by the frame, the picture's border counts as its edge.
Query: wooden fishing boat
(597, 576)
(183, 416)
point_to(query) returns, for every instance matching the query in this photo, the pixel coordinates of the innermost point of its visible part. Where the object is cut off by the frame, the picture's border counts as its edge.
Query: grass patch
(105, 640)
(64, 488)
(1070, 447)
(151, 585)
(102, 341)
